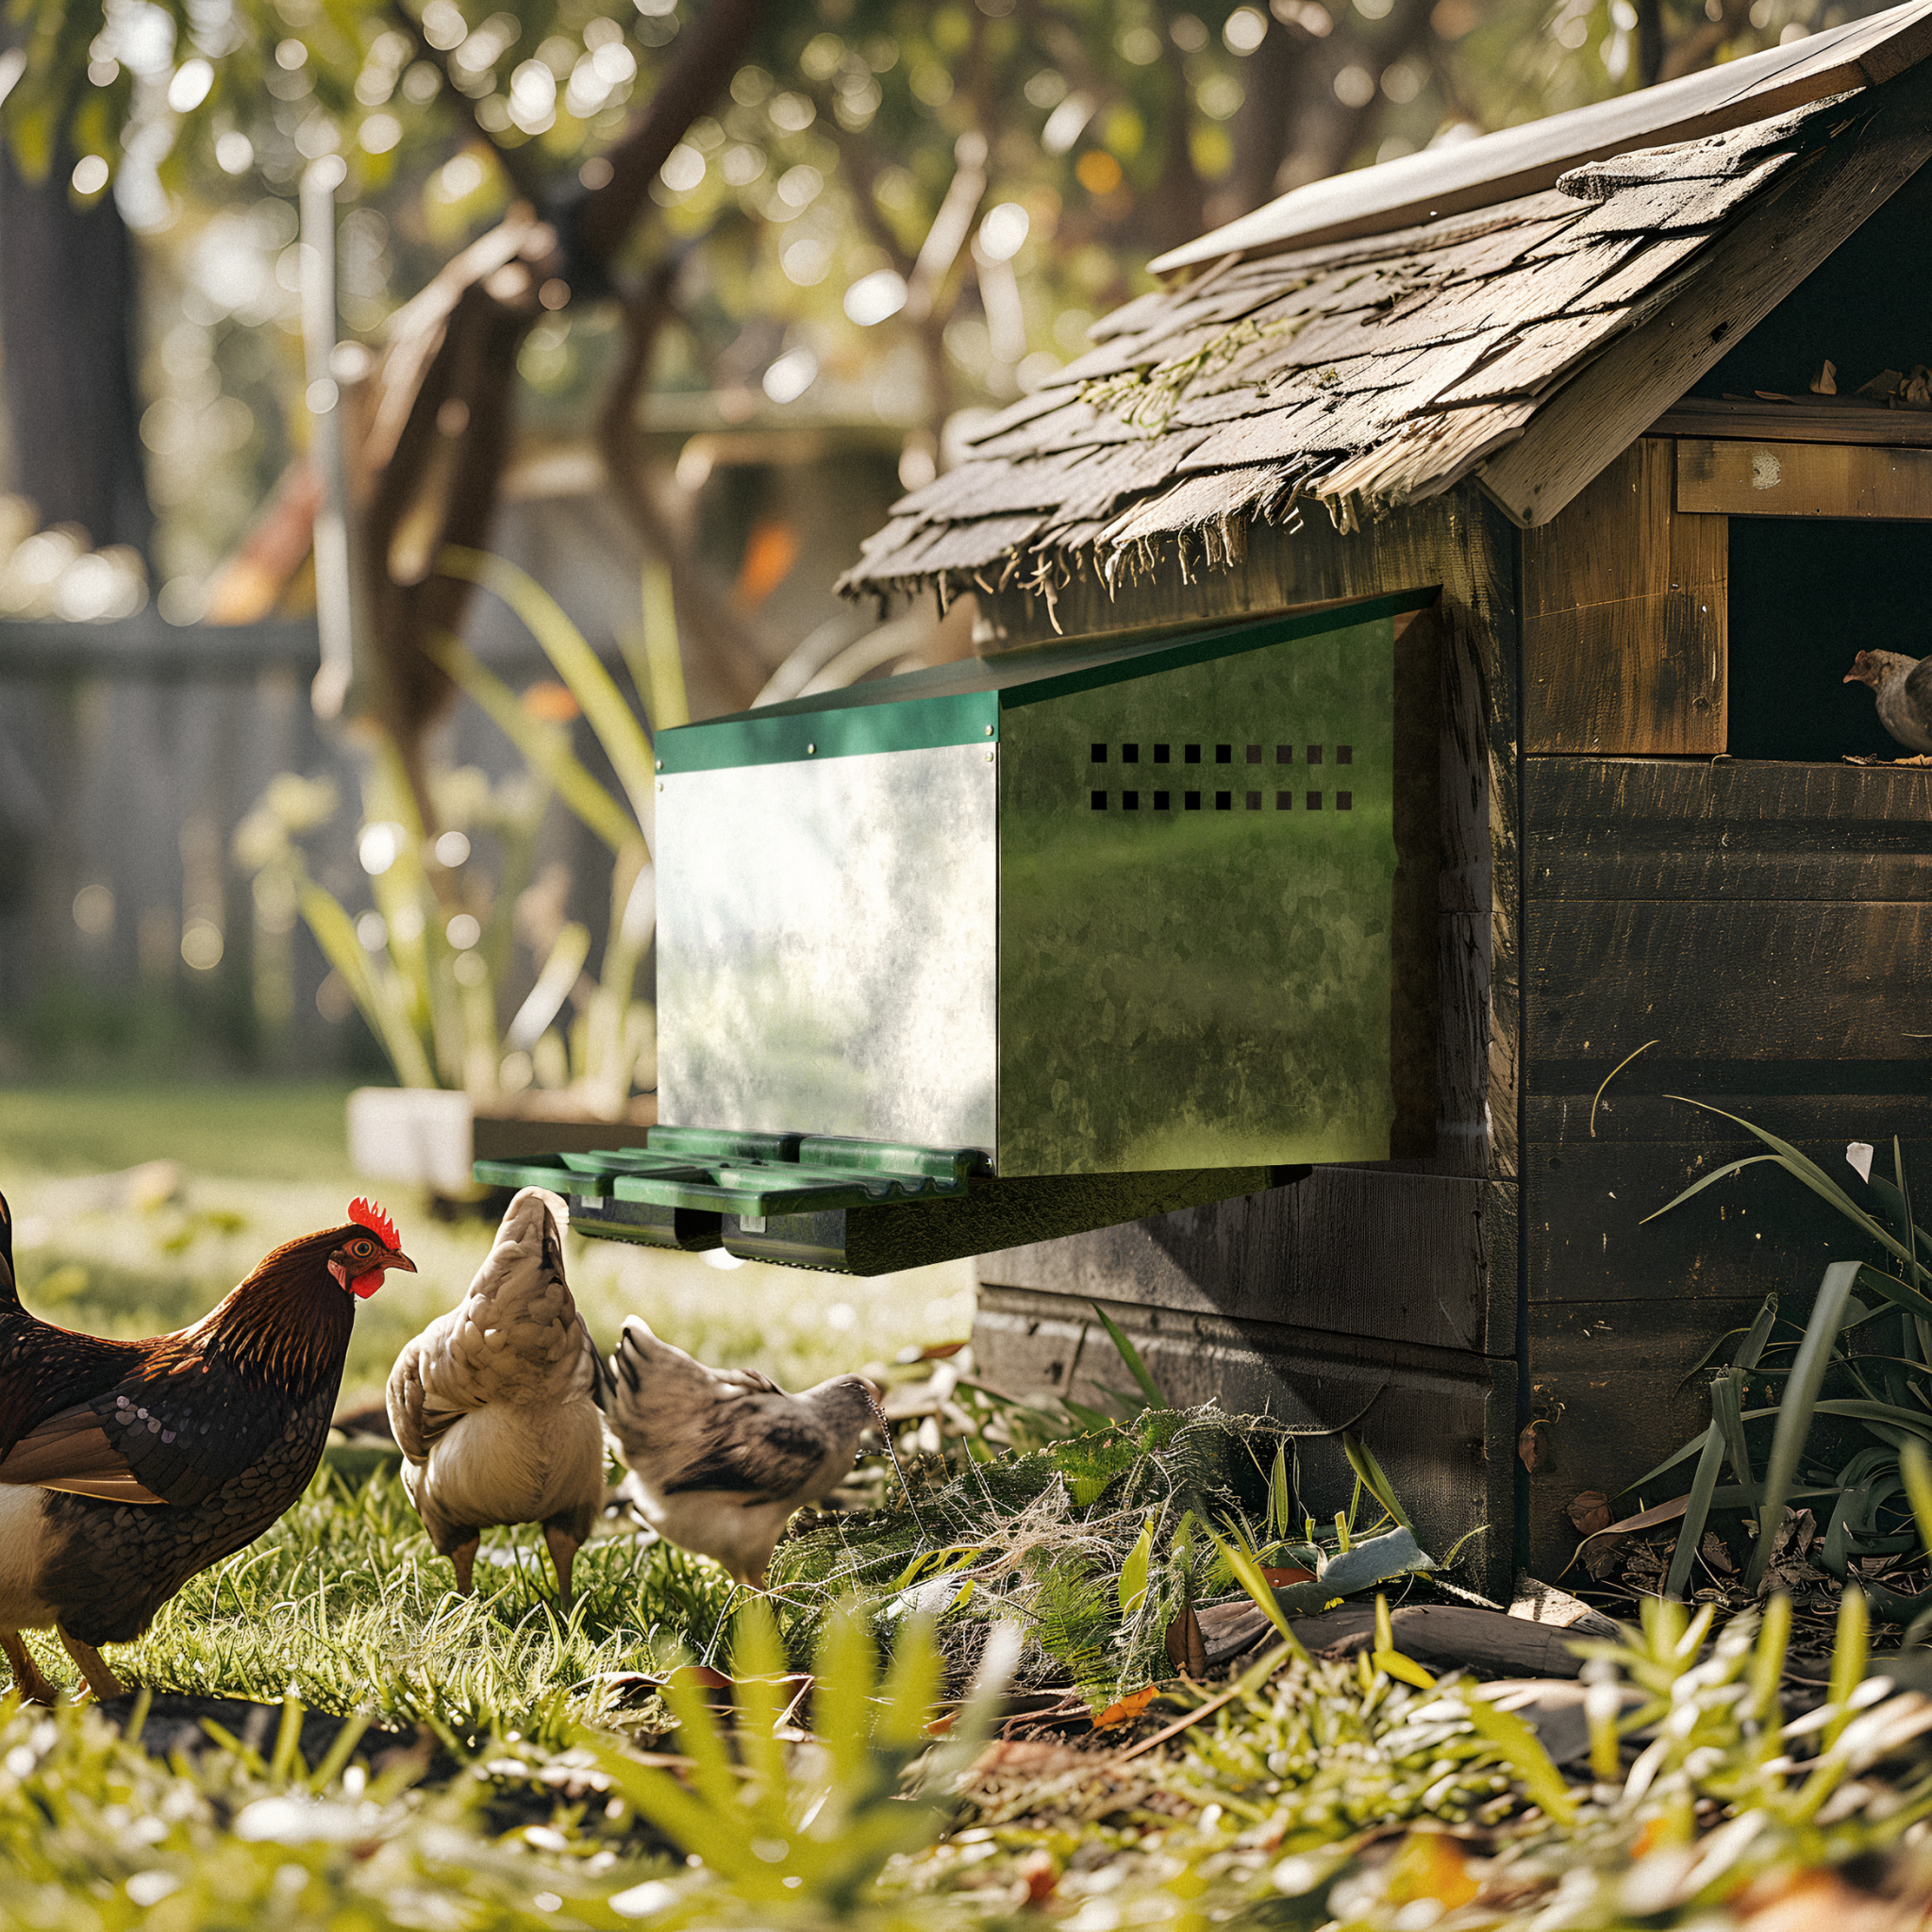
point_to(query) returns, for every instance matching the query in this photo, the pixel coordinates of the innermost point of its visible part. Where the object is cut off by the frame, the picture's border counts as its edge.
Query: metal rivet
(660, 764)
(989, 758)
(989, 730)
(660, 784)
(811, 749)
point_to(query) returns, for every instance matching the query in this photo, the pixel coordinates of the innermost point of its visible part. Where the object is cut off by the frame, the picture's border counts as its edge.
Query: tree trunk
(68, 314)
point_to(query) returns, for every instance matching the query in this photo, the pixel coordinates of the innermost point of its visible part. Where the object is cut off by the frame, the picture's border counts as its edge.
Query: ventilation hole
(1284, 754)
(1314, 754)
(1100, 801)
(1223, 754)
(1100, 754)
(1344, 801)
(1160, 754)
(1344, 754)
(1314, 801)
(1254, 801)
(1284, 801)
(1192, 753)
(1192, 800)
(1160, 801)
(1130, 754)
(1254, 753)
(1130, 801)
(1223, 801)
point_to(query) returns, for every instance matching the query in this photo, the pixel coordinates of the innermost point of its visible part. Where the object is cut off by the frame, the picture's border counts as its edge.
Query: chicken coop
(1558, 476)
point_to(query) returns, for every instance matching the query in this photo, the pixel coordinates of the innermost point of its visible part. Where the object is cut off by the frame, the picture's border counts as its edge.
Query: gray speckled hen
(1902, 687)
(495, 1403)
(720, 1457)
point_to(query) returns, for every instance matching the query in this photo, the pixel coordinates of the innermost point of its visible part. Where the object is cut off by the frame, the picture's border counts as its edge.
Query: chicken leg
(27, 1680)
(464, 1560)
(100, 1679)
(563, 1552)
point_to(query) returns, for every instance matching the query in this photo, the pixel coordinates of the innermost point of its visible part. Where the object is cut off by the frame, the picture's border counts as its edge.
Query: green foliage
(1883, 1390)
(424, 974)
(817, 1829)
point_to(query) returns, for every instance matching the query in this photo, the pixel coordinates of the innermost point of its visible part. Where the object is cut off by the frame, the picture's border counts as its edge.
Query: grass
(1364, 1794)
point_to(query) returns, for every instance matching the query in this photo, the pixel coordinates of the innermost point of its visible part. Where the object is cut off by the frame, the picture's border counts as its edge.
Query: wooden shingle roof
(1531, 340)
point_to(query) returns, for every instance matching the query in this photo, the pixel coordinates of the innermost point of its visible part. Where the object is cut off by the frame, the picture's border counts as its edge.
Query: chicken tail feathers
(9, 1289)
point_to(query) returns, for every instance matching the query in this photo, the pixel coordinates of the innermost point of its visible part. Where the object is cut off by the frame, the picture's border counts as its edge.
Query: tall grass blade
(620, 734)
(1795, 1411)
(1848, 1656)
(1148, 1387)
(1361, 1459)
(1525, 1753)
(1697, 1509)
(1247, 1573)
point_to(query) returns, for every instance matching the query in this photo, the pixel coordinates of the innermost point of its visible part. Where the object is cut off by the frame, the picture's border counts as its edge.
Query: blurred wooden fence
(129, 752)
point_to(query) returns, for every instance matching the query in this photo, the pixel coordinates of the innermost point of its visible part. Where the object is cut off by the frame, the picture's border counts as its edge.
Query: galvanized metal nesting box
(1463, 463)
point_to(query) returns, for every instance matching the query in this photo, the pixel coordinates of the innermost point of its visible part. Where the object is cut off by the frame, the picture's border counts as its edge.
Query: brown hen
(125, 1467)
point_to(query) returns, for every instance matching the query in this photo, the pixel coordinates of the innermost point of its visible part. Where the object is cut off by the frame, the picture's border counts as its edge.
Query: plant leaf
(1149, 1387)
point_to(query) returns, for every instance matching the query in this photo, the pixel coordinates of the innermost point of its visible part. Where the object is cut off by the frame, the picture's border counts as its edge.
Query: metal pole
(337, 586)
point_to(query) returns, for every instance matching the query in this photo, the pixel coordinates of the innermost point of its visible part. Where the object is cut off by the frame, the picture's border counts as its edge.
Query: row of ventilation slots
(1224, 755)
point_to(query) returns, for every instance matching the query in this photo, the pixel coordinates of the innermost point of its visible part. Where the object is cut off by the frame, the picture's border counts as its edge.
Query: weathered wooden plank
(1624, 618)
(1522, 160)
(1313, 1254)
(1440, 1420)
(1806, 479)
(1598, 829)
(1587, 1202)
(1461, 543)
(1749, 980)
(1801, 420)
(1601, 1428)
(1675, 205)
(1749, 270)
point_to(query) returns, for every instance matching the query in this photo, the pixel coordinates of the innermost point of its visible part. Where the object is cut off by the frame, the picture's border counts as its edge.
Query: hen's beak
(399, 1260)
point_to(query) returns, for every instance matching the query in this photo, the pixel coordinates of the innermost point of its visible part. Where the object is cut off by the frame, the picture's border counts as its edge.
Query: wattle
(366, 1285)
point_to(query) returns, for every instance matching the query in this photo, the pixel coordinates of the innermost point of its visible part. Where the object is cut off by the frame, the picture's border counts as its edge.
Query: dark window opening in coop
(1223, 754)
(1130, 801)
(1099, 801)
(1284, 801)
(1160, 800)
(1344, 801)
(1254, 801)
(1284, 754)
(1192, 800)
(1100, 754)
(1254, 753)
(1192, 754)
(1314, 801)
(1806, 597)
(1344, 754)
(1160, 753)
(1130, 754)
(1223, 801)
(1314, 754)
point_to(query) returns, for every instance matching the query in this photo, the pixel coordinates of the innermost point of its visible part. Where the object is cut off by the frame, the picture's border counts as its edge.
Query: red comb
(367, 1214)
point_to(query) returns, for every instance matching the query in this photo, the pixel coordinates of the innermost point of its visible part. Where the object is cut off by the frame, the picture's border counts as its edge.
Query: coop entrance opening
(1806, 594)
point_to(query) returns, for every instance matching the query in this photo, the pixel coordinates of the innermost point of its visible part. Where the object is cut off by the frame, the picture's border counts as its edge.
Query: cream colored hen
(495, 1403)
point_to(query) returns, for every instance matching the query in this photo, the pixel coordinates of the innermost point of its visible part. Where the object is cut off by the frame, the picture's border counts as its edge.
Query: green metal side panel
(1205, 988)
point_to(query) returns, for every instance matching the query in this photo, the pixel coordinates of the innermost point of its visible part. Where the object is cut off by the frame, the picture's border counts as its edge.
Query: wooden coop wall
(1387, 1293)
(1761, 927)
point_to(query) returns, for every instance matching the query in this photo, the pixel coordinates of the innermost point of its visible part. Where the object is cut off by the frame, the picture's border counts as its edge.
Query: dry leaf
(1529, 1446)
(1590, 1512)
(1129, 1706)
(1280, 1579)
(1825, 382)
(1431, 1865)
(1184, 1650)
